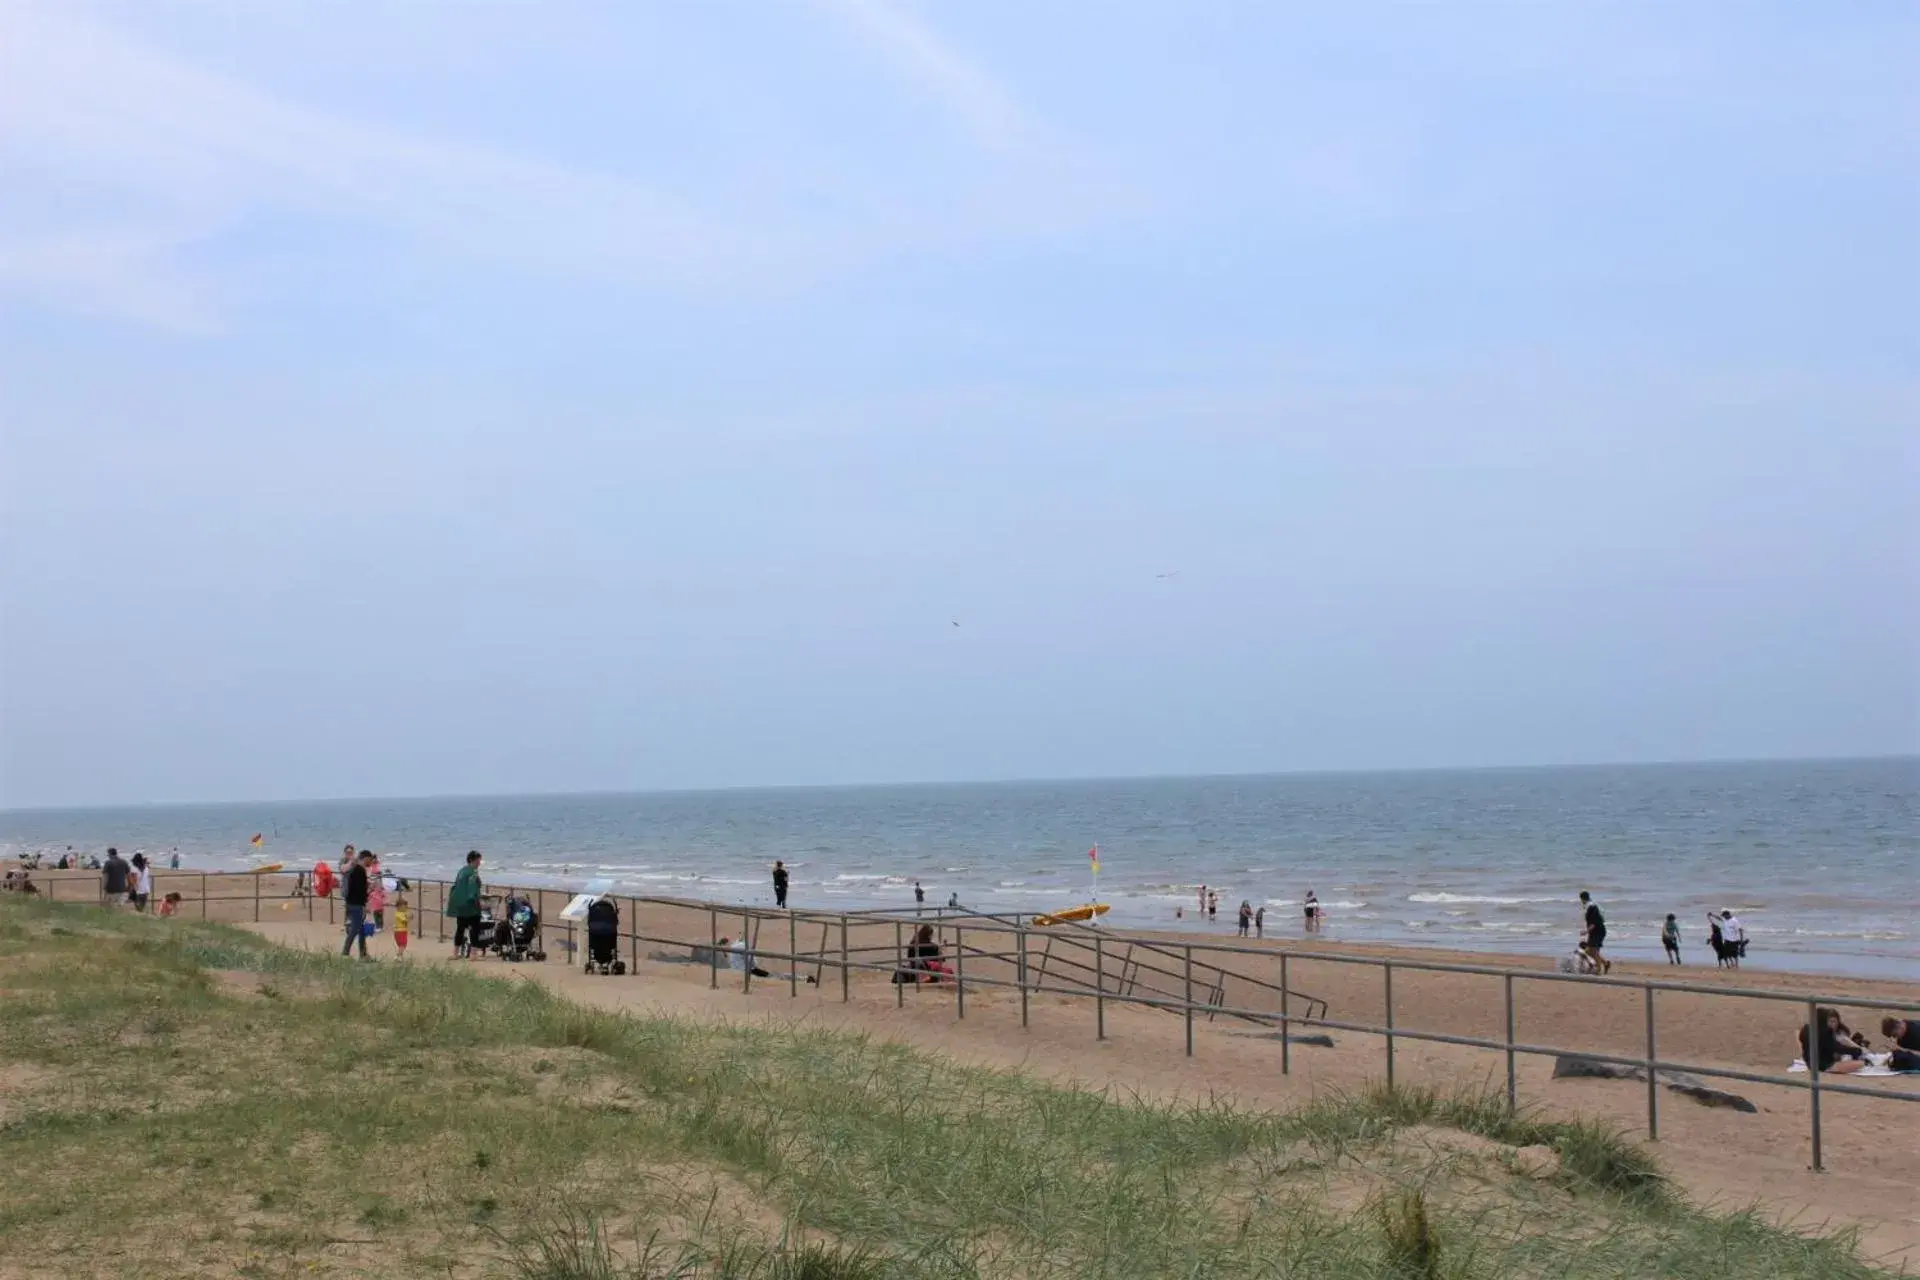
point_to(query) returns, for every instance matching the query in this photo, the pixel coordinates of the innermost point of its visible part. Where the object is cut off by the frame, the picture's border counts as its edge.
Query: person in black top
(1839, 1055)
(1903, 1037)
(779, 883)
(1596, 931)
(353, 894)
(114, 877)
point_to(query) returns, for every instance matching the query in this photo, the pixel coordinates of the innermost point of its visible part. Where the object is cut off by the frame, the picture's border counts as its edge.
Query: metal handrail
(1815, 1081)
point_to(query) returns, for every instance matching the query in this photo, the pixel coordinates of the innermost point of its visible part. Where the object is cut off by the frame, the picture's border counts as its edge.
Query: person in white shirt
(1735, 936)
(739, 959)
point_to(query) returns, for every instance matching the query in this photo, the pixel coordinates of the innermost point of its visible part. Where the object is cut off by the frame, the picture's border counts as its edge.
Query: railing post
(713, 947)
(633, 951)
(846, 970)
(793, 957)
(1286, 1020)
(1387, 968)
(440, 914)
(959, 971)
(1813, 1077)
(203, 895)
(256, 897)
(1099, 987)
(1020, 935)
(1186, 1005)
(899, 966)
(1653, 1091)
(1513, 1083)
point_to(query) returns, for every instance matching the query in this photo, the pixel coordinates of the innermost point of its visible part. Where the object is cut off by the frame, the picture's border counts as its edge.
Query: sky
(440, 398)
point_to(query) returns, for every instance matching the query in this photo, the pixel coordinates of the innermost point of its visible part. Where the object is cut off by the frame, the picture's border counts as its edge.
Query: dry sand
(1721, 1157)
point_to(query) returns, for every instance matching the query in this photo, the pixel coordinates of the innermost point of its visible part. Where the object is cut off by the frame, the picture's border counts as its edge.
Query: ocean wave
(1483, 899)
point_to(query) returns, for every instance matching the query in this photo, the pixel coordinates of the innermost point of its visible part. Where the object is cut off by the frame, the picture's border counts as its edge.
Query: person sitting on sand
(1838, 1053)
(739, 959)
(1903, 1037)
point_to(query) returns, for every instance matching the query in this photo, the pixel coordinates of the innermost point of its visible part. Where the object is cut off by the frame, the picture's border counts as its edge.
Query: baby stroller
(1580, 962)
(517, 936)
(603, 937)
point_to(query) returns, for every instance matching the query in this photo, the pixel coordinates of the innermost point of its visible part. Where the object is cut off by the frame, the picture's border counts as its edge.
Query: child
(170, 905)
(376, 893)
(400, 917)
(1670, 938)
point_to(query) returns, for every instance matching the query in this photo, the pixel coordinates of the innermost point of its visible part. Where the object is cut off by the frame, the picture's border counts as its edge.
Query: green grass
(257, 1111)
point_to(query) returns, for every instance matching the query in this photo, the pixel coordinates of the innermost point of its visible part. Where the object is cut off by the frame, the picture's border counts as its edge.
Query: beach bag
(368, 929)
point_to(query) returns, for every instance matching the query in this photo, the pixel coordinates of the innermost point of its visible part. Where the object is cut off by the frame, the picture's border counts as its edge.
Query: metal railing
(846, 959)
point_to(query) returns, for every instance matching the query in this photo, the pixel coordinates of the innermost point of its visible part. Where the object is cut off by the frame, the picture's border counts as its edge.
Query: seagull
(956, 622)
(1174, 574)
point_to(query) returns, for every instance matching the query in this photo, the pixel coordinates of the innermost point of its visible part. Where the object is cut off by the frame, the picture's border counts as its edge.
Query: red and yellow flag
(1093, 856)
(257, 840)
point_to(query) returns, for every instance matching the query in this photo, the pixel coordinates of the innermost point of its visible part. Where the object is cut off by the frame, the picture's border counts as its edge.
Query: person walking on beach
(919, 897)
(779, 883)
(115, 875)
(401, 916)
(1260, 921)
(173, 863)
(463, 904)
(1594, 934)
(1246, 917)
(353, 895)
(1733, 936)
(1213, 906)
(1670, 938)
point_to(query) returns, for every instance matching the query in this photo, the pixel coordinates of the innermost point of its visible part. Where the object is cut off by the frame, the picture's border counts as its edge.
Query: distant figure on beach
(1260, 921)
(345, 864)
(1246, 917)
(1903, 1037)
(1203, 900)
(1735, 935)
(1213, 905)
(142, 882)
(953, 901)
(401, 918)
(353, 895)
(1839, 1053)
(1594, 931)
(376, 890)
(173, 863)
(1670, 938)
(114, 877)
(779, 883)
(919, 897)
(739, 959)
(463, 904)
(1312, 907)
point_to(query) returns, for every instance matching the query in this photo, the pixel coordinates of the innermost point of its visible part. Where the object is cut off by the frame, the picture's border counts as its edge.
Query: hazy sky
(433, 398)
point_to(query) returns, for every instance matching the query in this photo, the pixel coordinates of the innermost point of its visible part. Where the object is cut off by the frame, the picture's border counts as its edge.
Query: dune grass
(188, 1098)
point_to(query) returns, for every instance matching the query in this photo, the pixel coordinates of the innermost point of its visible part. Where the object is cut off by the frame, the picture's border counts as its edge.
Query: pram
(517, 935)
(603, 937)
(1580, 962)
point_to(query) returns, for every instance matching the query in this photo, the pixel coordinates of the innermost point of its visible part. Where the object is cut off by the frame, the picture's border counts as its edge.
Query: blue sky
(465, 398)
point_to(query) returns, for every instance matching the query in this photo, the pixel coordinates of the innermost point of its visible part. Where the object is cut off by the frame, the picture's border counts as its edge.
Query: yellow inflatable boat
(1072, 915)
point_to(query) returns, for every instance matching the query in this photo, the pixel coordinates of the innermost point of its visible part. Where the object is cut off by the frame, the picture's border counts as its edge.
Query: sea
(1820, 859)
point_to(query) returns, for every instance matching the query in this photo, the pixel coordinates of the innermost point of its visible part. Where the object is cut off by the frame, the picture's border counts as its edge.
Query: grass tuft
(1412, 1243)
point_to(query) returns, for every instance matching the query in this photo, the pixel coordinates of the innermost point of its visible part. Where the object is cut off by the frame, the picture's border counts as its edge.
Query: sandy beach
(1720, 1156)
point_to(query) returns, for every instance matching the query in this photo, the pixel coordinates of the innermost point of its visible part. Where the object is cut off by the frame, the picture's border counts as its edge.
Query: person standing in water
(1260, 921)
(1312, 908)
(1213, 905)
(919, 897)
(779, 883)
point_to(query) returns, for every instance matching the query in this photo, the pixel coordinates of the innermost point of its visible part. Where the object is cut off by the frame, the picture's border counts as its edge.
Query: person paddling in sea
(463, 904)
(1312, 906)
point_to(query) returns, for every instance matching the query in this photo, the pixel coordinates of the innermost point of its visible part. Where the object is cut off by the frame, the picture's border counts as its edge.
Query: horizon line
(1076, 779)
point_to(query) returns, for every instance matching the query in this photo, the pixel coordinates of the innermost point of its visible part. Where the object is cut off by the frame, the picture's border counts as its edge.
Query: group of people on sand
(1725, 933)
(363, 889)
(1842, 1051)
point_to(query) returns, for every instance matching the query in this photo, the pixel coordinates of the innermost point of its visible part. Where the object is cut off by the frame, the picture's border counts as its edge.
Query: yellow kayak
(267, 869)
(1072, 915)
